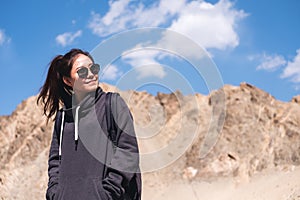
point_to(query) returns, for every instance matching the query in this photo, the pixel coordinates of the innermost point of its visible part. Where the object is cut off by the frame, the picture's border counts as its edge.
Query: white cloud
(271, 62)
(125, 14)
(114, 20)
(145, 63)
(292, 70)
(117, 8)
(209, 25)
(111, 73)
(3, 37)
(67, 38)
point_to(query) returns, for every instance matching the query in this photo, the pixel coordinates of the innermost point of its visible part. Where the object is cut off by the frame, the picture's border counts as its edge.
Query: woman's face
(82, 85)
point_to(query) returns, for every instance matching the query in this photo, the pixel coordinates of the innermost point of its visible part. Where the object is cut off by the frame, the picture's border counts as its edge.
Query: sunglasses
(84, 71)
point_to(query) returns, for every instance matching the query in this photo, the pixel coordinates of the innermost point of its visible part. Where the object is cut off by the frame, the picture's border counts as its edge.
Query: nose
(90, 74)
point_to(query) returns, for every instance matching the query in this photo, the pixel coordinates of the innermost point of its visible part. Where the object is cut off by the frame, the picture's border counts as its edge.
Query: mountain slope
(237, 132)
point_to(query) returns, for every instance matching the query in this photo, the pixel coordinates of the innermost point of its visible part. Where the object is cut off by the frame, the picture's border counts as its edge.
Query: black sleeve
(53, 161)
(125, 160)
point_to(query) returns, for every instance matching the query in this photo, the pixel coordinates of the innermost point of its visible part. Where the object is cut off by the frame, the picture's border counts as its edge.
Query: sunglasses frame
(84, 71)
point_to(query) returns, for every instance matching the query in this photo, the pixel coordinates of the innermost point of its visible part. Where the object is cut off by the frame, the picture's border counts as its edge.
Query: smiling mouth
(87, 82)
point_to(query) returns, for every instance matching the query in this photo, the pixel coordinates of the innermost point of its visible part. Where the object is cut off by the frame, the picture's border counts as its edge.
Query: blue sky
(249, 41)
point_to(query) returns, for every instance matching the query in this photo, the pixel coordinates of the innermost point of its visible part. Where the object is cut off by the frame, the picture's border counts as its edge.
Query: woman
(83, 163)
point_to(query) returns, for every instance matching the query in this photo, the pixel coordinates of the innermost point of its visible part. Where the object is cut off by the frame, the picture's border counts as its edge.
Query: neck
(79, 97)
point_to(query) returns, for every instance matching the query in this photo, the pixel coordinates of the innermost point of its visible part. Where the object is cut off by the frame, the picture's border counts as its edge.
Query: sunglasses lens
(95, 68)
(83, 72)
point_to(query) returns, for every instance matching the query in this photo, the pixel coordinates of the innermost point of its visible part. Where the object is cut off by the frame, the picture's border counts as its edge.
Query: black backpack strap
(112, 135)
(57, 124)
(111, 127)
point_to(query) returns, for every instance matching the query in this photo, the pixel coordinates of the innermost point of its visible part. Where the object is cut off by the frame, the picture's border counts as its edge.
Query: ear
(68, 81)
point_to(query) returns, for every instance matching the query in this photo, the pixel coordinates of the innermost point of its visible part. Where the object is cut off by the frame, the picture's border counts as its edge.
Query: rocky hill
(237, 131)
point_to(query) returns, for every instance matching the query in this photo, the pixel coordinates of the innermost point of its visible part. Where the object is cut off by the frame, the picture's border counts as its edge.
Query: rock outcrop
(236, 131)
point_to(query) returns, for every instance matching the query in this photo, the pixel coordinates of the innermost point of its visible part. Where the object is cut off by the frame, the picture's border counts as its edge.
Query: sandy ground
(271, 185)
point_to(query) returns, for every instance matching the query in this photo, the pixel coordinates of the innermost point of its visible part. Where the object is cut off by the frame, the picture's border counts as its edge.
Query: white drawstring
(61, 131)
(76, 123)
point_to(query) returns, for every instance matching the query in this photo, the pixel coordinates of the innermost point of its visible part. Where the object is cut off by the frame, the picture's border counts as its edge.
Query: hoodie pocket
(99, 189)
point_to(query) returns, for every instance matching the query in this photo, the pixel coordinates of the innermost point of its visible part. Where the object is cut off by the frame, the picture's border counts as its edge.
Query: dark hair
(55, 92)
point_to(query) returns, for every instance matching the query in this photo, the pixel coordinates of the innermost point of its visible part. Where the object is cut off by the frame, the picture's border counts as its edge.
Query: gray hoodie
(80, 151)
